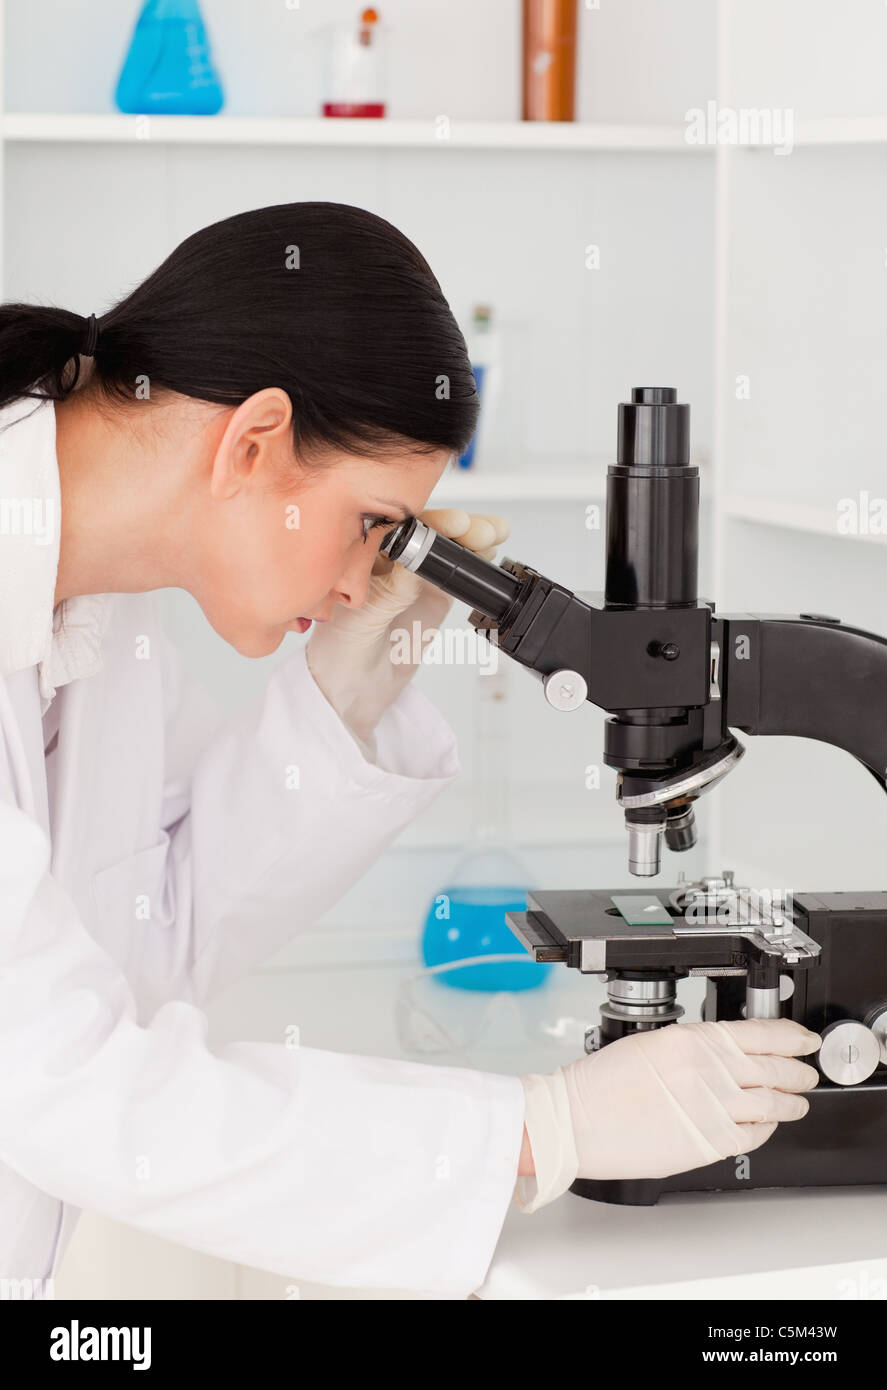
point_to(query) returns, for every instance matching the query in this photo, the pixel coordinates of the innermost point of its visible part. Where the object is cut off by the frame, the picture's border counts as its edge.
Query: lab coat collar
(63, 643)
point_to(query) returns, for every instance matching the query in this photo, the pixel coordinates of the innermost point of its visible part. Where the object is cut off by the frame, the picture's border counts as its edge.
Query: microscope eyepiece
(408, 543)
(394, 541)
(654, 395)
(654, 431)
(452, 567)
(652, 505)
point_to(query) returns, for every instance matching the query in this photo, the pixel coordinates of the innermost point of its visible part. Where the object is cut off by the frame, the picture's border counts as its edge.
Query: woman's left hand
(356, 658)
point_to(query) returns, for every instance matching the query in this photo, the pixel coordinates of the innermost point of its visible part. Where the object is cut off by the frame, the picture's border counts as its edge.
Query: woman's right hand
(688, 1094)
(669, 1099)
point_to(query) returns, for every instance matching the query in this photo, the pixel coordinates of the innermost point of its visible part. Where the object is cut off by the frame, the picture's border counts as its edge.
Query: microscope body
(828, 954)
(678, 680)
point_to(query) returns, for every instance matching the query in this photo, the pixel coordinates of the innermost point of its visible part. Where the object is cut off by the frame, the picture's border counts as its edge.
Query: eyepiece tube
(452, 568)
(653, 505)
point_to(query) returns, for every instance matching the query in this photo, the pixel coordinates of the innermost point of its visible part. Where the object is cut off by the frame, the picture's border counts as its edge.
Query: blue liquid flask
(169, 70)
(467, 917)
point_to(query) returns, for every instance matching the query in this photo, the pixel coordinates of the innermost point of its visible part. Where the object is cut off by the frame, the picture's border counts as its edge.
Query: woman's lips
(305, 623)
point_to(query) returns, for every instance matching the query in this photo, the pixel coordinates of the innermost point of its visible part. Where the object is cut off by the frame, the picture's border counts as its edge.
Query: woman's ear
(258, 430)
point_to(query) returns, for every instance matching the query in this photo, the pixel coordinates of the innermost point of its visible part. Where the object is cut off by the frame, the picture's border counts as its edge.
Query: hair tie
(90, 336)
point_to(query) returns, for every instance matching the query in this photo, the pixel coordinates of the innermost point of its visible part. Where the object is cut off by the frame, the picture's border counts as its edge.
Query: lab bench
(341, 987)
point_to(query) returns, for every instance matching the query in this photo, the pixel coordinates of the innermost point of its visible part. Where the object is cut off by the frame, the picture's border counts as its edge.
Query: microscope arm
(810, 677)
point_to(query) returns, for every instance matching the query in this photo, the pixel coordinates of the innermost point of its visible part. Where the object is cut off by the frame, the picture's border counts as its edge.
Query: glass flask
(168, 69)
(466, 917)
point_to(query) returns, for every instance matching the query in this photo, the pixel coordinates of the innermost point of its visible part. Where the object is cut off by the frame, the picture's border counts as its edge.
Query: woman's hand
(356, 658)
(666, 1101)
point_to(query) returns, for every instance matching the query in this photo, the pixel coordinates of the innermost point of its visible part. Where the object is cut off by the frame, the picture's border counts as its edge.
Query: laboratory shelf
(821, 133)
(791, 515)
(391, 133)
(843, 130)
(434, 132)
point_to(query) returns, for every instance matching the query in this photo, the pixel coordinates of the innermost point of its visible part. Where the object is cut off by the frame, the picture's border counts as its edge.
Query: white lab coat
(145, 865)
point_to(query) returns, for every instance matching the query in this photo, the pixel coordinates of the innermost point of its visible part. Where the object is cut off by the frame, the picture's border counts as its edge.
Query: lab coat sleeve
(356, 1171)
(277, 816)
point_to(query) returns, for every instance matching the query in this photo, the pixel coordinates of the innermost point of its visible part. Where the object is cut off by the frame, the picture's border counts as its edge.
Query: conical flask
(169, 69)
(467, 917)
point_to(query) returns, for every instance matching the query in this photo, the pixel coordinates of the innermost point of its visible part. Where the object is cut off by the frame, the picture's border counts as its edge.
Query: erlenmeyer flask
(467, 917)
(169, 69)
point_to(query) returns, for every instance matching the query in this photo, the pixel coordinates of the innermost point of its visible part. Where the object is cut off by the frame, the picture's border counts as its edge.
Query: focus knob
(850, 1052)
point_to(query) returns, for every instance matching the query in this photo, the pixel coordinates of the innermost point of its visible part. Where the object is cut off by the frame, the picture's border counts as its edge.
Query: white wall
(806, 299)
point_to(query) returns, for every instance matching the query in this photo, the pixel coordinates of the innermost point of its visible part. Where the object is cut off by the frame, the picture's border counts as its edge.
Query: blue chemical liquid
(465, 922)
(168, 69)
(467, 459)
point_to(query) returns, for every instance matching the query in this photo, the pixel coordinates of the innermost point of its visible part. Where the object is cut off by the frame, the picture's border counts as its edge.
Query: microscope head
(652, 568)
(643, 650)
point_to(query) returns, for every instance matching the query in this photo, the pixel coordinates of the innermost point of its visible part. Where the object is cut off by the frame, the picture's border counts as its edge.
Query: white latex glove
(350, 657)
(664, 1101)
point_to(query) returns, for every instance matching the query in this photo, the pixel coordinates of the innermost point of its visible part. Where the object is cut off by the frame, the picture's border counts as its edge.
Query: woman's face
(280, 543)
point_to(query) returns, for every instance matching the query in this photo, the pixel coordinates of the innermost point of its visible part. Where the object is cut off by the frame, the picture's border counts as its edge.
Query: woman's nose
(354, 585)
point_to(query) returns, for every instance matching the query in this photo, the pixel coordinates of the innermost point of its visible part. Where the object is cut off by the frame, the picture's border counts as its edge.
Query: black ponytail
(37, 345)
(329, 302)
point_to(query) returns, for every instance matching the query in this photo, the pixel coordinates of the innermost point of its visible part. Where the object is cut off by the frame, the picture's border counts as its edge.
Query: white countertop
(828, 1243)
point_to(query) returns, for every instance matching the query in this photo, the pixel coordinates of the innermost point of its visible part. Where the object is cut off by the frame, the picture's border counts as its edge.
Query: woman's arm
(275, 817)
(355, 1171)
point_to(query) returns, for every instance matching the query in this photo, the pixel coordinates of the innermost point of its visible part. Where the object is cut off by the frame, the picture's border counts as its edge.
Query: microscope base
(840, 1142)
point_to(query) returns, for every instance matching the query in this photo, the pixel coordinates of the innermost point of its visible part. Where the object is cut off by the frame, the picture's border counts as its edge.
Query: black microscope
(677, 680)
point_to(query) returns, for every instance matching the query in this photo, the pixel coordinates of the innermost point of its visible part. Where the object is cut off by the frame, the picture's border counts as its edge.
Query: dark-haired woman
(244, 425)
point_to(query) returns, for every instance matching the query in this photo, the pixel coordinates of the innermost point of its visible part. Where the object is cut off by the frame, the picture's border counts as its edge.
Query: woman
(287, 385)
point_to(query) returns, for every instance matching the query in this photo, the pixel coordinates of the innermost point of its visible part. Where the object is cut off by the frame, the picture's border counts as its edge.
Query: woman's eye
(370, 523)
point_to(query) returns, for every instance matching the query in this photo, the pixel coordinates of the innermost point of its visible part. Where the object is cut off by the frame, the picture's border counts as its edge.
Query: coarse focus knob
(850, 1052)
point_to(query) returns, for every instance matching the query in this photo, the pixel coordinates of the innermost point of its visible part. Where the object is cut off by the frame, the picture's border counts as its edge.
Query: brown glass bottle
(549, 84)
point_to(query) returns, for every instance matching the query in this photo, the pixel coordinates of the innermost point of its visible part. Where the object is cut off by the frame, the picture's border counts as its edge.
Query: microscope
(678, 681)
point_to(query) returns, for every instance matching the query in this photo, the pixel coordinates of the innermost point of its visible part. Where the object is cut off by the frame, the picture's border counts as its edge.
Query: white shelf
(389, 133)
(375, 134)
(848, 130)
(790, 515)
(836, 130)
